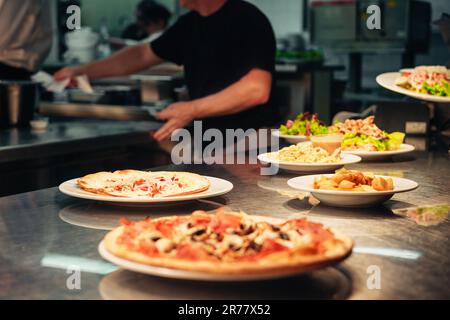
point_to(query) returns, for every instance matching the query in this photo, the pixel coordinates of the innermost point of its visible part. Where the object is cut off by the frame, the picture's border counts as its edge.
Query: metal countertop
(45, 234)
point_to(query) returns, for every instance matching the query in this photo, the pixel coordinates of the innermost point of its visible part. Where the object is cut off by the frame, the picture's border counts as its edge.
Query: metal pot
(18, 102)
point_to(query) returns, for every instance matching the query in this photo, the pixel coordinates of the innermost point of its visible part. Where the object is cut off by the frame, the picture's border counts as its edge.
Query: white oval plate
(205, 276)
(310, 167)
(387, 80)
(352, 199)
(289, 138)
(217, 187)
(378, 155)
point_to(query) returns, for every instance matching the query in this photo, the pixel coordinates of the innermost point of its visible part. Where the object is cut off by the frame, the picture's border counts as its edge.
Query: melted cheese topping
(246, 239)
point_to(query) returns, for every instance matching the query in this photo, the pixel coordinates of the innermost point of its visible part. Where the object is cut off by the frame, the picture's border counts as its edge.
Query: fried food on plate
(352, 180)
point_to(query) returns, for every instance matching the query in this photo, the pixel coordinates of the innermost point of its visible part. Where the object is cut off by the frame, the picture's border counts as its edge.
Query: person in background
(25, 37)
(227, 48)
(152, 19)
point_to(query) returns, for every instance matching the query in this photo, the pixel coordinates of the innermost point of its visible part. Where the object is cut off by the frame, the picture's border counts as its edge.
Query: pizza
(227, 243)
(134, 183)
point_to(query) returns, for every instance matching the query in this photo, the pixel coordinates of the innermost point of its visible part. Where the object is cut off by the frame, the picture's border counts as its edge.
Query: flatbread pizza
(134, 183)
(227, 243)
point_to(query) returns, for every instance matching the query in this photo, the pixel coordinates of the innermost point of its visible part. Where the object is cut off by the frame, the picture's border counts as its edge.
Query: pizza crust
(277, 262)
(98, 182)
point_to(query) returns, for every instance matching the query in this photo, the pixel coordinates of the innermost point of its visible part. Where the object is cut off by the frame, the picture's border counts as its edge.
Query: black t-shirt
(218, 50)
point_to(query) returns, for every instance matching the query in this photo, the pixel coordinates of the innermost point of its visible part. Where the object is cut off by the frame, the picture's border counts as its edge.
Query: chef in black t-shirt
(227, 48)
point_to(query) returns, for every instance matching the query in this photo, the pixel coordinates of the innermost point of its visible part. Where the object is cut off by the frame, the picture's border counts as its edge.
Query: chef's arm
(126, 61)
(251, 90)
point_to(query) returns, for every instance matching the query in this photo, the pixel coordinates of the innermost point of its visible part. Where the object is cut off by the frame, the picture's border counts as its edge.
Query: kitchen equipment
(410, 117)
(81, 46)
(444, 26)
(405, 26)
(18, 101)
(39, 124)
(405, 29)
(124, 95)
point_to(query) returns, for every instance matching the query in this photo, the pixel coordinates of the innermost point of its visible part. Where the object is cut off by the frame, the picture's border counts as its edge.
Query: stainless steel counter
(45, 236)
(71, 136)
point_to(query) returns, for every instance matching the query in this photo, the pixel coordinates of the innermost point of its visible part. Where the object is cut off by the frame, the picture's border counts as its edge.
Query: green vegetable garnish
(439, 89)
(305, 124)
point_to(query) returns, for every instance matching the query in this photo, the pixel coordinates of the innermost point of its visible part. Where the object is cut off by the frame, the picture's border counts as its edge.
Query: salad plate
(298, 130)
(428, 83)
(364, 138)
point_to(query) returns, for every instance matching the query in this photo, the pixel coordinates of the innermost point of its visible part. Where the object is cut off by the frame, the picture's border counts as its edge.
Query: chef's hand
(178, 115)
(66, 73)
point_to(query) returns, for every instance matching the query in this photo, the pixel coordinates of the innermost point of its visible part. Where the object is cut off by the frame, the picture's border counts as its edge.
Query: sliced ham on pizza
(134, 183)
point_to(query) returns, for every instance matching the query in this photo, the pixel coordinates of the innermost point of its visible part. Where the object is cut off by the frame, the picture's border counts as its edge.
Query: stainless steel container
(18, 102)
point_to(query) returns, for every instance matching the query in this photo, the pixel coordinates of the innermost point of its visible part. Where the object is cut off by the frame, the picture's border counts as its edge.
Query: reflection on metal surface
(328, 283)
(376, 212)
(393, 173)
(282, 189)
(65, 262)
(95, 215)
(355, 222)
(389, 252)
(426, 215)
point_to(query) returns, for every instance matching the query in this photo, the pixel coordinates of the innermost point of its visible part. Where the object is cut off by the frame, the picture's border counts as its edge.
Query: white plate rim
(387, 81)
(92, 196)
(198, 276)
(351, 159)
(276, 133)
(294, 184)
(404, 148)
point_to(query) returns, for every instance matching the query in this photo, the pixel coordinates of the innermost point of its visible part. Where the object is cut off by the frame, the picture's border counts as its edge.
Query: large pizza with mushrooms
(134, 183)
(227, 243)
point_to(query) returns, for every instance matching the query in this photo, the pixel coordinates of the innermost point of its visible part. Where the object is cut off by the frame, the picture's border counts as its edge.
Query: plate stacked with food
(134, 186)
(298, 130)
(351, 188)
(430, 83)
(362, 137)
(225, 246)
(310, 156)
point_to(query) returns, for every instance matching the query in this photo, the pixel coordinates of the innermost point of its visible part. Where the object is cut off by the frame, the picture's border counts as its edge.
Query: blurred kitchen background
(327, 62)
(324, 65)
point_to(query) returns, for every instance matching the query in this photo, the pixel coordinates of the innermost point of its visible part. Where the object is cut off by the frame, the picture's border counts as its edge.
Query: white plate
(205, 276)
(378, 155)
(353, 199)
(387, 80)
(217, 187)
(310, 167)
(289, 138)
